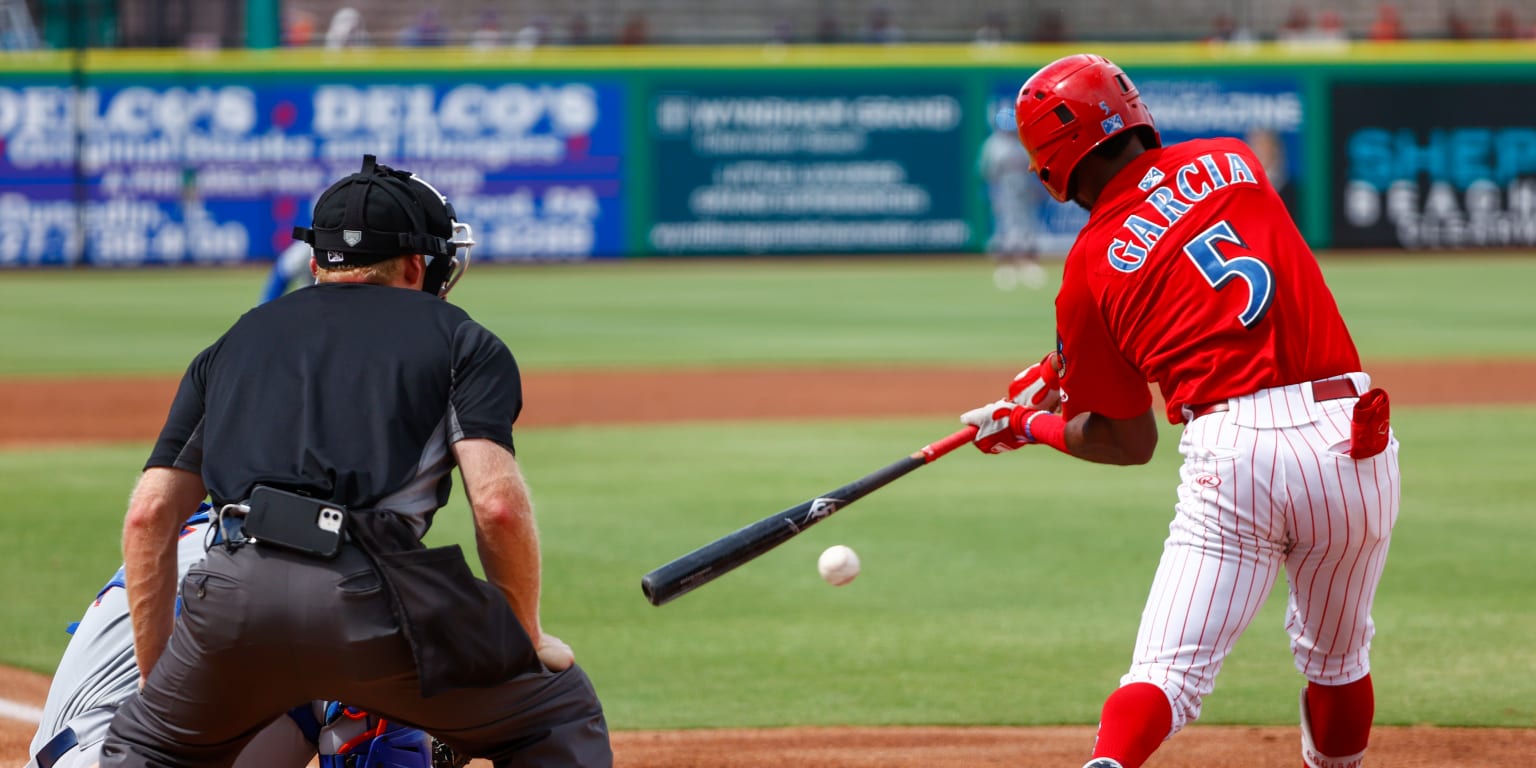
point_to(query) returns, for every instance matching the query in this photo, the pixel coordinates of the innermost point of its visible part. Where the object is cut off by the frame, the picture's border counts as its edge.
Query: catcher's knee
(354, 739)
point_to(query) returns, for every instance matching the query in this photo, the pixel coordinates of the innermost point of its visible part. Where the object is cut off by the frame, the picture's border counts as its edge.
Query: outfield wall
(122, 158)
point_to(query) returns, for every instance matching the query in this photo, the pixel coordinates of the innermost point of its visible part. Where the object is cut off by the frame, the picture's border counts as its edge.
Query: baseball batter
(1191, 274)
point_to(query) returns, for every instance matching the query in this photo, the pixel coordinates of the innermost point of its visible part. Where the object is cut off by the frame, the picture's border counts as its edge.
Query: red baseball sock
(1341, 716)
(1135, 721)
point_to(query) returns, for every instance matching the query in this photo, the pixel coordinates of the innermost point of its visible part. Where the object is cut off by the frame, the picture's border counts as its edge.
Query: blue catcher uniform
(98, 671)
(355, 739)
(290, 265)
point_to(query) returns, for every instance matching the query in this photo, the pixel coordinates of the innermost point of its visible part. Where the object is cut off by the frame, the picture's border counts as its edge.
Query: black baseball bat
(730, 552)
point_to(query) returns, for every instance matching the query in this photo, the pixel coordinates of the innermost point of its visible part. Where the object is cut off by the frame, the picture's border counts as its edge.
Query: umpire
(330, 420)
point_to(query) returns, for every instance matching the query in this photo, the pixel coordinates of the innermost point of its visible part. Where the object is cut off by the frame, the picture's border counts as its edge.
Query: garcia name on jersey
(1192, 182)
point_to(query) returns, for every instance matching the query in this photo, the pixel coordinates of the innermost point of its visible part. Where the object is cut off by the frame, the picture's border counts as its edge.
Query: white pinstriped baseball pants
(1265, 485)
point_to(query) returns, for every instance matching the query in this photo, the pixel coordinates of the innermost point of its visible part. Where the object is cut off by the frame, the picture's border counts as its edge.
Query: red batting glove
(1038, 386)
(1005, 425)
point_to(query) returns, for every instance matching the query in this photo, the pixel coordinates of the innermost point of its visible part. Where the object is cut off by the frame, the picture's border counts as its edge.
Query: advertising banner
(1267, 113)
(842, 167)
(157, 172)
(1426, 165)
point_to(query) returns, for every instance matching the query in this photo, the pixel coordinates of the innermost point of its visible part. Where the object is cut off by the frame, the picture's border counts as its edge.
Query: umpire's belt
(1326, 389)
(62, 742)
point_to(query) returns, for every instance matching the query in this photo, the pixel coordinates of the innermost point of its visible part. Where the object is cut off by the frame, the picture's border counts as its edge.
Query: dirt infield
(34, 411)
(969, 747)
(54, 411)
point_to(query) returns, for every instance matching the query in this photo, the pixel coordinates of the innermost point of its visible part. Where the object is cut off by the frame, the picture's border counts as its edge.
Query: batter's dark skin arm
(1091, 436)
(1124, 442)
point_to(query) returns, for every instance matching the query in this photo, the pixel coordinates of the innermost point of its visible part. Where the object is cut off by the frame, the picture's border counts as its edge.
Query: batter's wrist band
(1047, 428)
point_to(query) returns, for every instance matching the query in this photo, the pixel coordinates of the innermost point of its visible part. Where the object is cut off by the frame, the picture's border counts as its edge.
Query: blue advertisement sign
(801, 168)
(221, 171)
(1434, 165)
(1267, 113)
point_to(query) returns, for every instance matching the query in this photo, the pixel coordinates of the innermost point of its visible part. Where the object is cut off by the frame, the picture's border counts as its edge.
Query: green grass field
(996, 590)
(929, 311)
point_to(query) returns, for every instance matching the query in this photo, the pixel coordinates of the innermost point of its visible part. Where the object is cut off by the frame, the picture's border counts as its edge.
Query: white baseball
(838, 565)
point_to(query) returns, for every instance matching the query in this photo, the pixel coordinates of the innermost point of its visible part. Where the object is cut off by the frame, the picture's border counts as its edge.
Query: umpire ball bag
(462, 631)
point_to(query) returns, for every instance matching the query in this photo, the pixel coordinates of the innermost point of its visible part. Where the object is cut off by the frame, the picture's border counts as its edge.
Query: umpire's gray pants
(262, 630)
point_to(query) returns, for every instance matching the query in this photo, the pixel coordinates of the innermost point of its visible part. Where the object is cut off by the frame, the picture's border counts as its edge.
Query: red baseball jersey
(1191, 274)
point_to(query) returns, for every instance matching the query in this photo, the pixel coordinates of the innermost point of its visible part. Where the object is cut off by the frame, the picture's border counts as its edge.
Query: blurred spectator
(299, 28)
(993, 29)
(426, 31)
(1388, 24)
(634, 31)
(1225, 30)
(346, 30)
(1505, 24)
(203, 41)
(783, 33)
(1330, 26)
(827, 30)
(488, 32)
(1051, 27)
(1456, 26)
(1222, 28)
(578, 31)
(1299, 29)
(533, 34)
(881, 28)
(1297, 26)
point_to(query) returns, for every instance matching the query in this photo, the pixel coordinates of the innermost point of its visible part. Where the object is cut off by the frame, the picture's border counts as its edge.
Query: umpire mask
(380, 213)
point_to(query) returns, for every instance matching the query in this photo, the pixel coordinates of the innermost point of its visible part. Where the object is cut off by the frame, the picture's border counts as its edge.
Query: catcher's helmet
(1071, 106)
(379, 213)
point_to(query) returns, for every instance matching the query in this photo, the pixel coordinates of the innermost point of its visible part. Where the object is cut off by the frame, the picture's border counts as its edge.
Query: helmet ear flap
(444, 272)
(443, 269)
(438, 269)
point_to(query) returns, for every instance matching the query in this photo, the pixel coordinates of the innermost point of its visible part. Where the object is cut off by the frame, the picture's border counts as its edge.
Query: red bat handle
(932, 451)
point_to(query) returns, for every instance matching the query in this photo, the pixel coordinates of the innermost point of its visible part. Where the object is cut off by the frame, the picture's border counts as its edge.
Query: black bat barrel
(729, 552)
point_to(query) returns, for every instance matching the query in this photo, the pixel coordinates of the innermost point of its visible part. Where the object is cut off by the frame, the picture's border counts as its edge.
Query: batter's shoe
(1102, 762)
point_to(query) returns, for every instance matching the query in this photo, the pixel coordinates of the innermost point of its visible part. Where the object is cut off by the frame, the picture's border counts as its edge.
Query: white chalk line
(17, 711)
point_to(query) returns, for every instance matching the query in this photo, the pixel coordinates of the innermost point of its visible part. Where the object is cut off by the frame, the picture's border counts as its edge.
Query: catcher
(98, 671)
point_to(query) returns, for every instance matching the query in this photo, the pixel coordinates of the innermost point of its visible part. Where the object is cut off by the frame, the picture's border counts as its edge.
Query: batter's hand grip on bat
(731, 551)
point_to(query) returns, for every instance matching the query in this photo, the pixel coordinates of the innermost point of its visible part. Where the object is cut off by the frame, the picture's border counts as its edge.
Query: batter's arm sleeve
(150, 529)
(505, 533)
(1096, 377)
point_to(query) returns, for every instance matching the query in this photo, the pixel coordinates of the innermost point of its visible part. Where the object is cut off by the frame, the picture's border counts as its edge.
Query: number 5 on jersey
(1218, 271)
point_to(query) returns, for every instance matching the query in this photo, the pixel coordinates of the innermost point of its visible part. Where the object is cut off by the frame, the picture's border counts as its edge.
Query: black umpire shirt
(344, 391)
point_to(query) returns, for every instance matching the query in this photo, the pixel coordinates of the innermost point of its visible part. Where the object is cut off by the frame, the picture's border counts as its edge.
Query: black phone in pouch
(295, 522)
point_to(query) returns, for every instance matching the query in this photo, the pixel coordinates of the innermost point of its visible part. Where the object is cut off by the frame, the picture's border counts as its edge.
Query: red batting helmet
(1071, 106)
